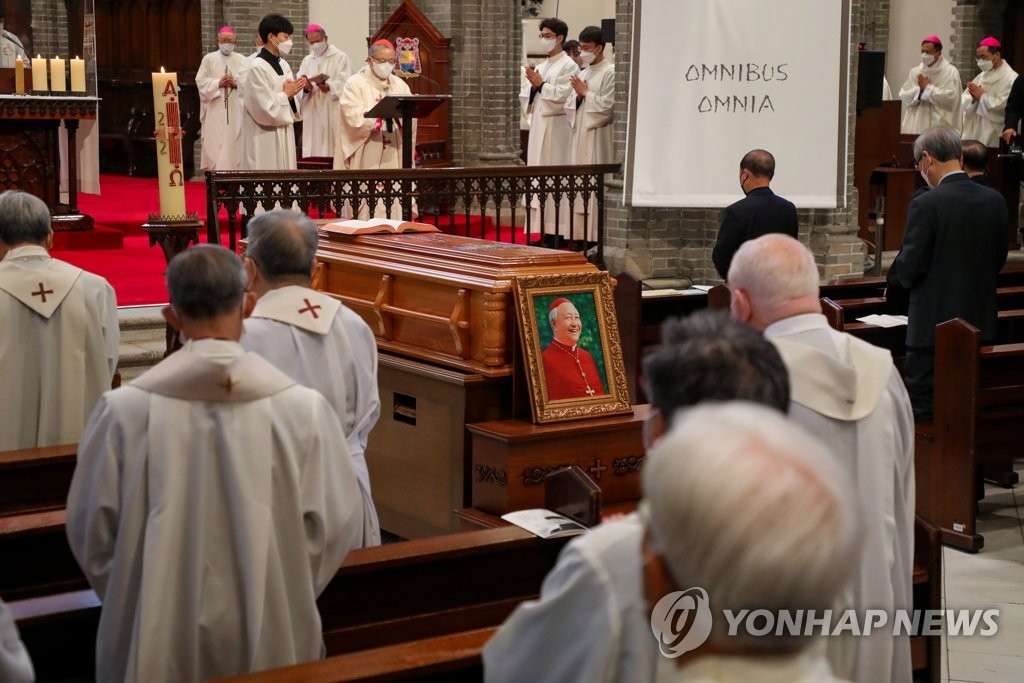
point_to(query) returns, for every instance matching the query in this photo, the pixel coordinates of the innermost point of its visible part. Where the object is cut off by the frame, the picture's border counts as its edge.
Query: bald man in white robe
(216, 81)
(58, 337)
(312, 337)
(212, 502)
(849, 394)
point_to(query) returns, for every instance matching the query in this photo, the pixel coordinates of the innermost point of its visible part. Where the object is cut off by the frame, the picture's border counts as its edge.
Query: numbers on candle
(163, 147)
(160, 118)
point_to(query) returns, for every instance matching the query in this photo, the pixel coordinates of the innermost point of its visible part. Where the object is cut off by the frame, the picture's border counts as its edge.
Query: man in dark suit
(1014, 110)
(976, 162)
(953, 248)
(759, 213)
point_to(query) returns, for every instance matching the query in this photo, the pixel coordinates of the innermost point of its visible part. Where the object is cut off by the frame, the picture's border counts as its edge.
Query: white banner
(714, 79)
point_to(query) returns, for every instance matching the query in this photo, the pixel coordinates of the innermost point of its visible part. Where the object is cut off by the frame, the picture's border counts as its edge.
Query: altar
(30, 151)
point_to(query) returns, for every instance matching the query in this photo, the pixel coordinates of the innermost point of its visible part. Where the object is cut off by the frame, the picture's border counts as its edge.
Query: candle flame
(39, 56)
(162, 70)
(76, 56)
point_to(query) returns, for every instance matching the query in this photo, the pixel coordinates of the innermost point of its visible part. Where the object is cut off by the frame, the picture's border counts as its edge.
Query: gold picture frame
(571, 353)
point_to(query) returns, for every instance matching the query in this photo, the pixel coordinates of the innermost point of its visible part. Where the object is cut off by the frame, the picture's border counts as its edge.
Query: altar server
(268, 91)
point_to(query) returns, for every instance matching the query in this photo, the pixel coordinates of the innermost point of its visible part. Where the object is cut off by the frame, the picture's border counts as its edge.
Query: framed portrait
(571, 351)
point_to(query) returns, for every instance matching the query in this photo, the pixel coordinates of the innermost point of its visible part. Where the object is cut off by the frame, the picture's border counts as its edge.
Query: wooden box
(418, 452)
(440, 298)
(512, 457)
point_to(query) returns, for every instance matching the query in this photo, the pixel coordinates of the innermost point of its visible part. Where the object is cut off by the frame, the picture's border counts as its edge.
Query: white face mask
(927, 59)
(318, 49)
(984, 65)
(226, 48)
(383, 70)
(587, 57)
(285, 46)
(547, 44)
(925, 177)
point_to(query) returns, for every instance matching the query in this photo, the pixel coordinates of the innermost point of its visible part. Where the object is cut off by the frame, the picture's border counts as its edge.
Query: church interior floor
(992, 578)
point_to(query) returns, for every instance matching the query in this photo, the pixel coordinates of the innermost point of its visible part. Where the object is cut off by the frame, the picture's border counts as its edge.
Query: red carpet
(118, 248)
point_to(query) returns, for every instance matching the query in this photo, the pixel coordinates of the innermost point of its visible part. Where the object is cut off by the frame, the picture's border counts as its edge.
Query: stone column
(671, 243)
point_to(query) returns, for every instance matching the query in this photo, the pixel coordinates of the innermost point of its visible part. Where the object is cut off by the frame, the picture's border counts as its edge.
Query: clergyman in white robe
(364, 143)
(591, 121)
(15, 664)
(10, 48)
(208, 510)
(58, 347)
(217, 105)
(550, 134)
(323, 345)
(849, 394)
(590, 623)
(321, 111)
(267, 135)
(984, 118)
(937, 104)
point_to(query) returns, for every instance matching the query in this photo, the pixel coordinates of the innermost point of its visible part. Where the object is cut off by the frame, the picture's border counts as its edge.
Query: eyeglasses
(917, 161)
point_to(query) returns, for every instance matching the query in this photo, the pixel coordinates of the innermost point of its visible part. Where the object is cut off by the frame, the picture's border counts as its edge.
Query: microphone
(428, 79)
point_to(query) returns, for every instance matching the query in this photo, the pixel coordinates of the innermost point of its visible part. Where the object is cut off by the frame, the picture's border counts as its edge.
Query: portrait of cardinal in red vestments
(569, 369)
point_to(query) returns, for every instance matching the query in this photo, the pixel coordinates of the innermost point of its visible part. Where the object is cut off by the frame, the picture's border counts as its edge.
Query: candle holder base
(78, 93)
(40, 93)
(174, 234)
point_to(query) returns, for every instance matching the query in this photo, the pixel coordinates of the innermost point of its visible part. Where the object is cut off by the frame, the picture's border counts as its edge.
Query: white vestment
(550, 133)
(208, 510)
(216, 106)
(590, 624)
(58, 348)
(10, 48)
(938, 104)
(268, 134)
(983, 120)
(230, 158)
(321, 112)
(15, 664)
(591, 139)
(808, 666)
(320, 344)
(849, 394)
(364, 143)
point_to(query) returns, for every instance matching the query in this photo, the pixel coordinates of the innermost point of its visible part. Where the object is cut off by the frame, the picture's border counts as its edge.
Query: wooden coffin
(512, 457)
(440, 298)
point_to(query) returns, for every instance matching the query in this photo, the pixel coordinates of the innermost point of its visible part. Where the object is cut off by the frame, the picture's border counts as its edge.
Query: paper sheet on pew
(884, 320)
(545, 523)
(657, 293)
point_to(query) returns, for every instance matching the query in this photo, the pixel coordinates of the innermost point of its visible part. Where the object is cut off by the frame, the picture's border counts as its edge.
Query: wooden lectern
(406, 108)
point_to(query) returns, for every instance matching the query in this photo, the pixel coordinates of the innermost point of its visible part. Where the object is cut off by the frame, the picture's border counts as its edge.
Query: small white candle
(39, 74)
(77, 75)
(58, 77)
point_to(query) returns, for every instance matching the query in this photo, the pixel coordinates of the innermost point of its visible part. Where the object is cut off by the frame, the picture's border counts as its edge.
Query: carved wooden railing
(441, 196)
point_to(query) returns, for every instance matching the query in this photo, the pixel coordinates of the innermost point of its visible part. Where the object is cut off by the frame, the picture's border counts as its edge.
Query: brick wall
(49, 29)
(873, 27)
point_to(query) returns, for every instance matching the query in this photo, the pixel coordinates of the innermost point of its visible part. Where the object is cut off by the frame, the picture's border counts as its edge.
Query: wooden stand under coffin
(439, 298)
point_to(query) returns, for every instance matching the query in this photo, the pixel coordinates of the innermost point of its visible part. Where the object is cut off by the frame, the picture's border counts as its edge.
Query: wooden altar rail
(441, 196)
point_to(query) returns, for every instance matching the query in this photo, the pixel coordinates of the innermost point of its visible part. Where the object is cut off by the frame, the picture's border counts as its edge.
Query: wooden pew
(979, 419)
(35, 478)
(926, 651)
(381, 597)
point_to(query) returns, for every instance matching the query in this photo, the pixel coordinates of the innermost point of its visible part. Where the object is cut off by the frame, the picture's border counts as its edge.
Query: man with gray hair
(590, 623)
(743, 511)
(209, 506)
(59, 336)
(311, 337)
(849, 394)
(953, 248)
